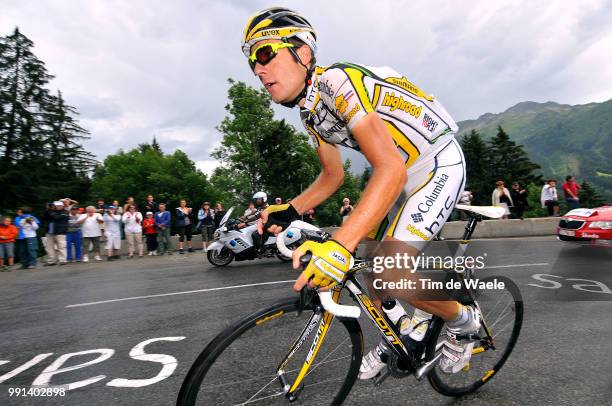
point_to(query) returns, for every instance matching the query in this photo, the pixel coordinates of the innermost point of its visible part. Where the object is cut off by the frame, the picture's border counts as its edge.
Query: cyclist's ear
(305, 54)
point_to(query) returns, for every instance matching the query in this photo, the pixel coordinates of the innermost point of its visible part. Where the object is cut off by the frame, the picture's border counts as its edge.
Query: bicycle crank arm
(428, 366)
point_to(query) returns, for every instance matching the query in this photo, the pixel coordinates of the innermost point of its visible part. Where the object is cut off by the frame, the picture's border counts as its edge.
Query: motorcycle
(237, 244)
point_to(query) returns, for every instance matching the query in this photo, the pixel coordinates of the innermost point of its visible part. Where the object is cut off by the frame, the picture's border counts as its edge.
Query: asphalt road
(172, 307)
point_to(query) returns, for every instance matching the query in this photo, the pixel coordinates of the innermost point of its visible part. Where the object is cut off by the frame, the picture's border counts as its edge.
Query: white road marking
(516, 266)
(179, 293)
(248, 286)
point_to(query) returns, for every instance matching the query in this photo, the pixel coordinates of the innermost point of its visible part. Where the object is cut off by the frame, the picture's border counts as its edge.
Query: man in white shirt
(549, 198)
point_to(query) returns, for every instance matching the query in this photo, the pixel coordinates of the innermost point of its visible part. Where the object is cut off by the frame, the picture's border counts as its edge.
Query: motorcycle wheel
(220, 258)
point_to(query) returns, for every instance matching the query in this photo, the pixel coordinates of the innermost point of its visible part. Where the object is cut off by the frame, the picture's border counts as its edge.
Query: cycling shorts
(435, 183)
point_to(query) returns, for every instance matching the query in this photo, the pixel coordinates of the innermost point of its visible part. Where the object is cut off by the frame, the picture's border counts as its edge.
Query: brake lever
(306, 292)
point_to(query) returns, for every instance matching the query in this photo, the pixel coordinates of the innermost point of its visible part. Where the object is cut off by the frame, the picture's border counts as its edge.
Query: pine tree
(479, 179)
(589, 197)
(509, 161)
(40, 153)
(155, 145)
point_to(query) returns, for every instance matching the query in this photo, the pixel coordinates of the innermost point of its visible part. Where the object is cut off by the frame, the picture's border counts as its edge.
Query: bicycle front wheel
(502, 315)
(239, 367)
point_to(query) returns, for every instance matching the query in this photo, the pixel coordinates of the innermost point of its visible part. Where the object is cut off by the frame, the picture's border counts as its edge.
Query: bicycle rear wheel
(239, 366)
(502, 312)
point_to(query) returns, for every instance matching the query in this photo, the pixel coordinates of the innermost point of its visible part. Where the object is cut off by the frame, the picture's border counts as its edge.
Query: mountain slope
(563, 139)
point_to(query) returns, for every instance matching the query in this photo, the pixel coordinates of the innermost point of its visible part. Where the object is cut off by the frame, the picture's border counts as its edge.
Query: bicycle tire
(197, 373)
(436, 378)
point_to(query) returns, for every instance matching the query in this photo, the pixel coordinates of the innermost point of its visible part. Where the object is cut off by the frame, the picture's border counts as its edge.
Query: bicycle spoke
(504, 315)
(258, 392)
(326, 357)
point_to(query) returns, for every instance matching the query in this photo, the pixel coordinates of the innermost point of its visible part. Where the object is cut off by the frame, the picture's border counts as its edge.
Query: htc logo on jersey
(395, 103)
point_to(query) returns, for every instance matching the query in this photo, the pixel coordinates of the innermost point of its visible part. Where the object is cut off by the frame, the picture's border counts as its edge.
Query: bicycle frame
(388, 330)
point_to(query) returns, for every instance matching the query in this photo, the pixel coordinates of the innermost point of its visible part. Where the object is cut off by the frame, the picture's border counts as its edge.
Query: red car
(590, 225)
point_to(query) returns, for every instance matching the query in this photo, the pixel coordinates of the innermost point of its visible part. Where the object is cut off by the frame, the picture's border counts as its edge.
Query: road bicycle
(308, 349)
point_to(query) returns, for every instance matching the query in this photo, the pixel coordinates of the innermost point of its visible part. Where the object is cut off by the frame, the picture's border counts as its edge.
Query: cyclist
(405, 134)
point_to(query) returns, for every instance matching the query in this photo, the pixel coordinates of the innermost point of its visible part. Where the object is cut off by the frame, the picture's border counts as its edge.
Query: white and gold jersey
(342, 94)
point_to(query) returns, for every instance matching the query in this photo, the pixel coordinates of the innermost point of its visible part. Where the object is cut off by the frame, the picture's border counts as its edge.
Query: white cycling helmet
(260, 195)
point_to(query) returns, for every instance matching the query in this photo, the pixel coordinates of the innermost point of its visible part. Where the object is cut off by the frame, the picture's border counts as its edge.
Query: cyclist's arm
(329, 180)
(385, 185)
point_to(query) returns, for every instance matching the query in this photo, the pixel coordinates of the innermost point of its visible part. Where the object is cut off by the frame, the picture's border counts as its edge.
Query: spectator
(501, 197)
(549, 198)
(69, 203)
(92, 230)
(206, 223)
(28, 227)
(518, 194)
(150, 230)
(112, 231)
(219, 213)
(101, 208)
(120, 210)
(56, 235)
(162, 221)
(278, 200)
(345, 209)
(149, 205)
(133, 230)
(128, 202)
(571, 190)
(22, 242)
(184, 224)
(8, 236)
(74, 236)
(466, 198)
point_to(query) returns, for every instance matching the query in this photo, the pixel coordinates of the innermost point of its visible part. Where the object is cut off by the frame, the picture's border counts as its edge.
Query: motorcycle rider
(250, 217)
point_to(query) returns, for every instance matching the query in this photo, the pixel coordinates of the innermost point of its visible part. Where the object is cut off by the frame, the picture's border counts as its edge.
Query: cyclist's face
(282, 77)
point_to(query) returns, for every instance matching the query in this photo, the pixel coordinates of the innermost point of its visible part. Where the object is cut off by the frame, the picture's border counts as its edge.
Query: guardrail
(499, 228)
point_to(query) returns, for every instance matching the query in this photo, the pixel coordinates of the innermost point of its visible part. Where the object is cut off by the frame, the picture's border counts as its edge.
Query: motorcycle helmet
(260, 196)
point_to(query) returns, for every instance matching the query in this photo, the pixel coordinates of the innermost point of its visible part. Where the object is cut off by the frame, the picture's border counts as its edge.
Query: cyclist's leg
(434, 186)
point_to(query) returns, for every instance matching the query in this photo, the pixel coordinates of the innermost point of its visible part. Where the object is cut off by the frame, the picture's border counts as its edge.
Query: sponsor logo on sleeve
(341, 104)
(395, 103)
(429, 123)
(405, 84)
(352, 113)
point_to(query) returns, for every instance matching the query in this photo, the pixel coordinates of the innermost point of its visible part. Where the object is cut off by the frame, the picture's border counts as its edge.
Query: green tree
(509, 161)
(41, 158)
(479, 179)
(144, 170)
(258, 152)
(328, 213)
(589, 196)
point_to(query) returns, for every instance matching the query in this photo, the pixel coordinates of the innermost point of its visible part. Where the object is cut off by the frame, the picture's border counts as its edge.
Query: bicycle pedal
(380, 378)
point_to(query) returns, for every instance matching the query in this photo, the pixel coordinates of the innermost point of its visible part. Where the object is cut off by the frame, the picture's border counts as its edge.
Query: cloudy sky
(138, 69)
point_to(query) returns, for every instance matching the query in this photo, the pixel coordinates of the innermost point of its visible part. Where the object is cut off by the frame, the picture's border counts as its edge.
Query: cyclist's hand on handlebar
(329, 264)
(280, 215)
